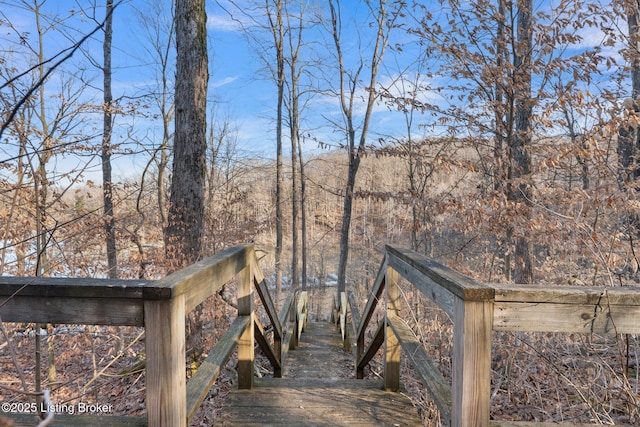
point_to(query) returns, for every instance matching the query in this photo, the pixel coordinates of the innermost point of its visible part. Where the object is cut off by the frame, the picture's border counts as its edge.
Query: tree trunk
(183, 234)
(354, 163)
(107, 184)
(634, 48)
(303, 218)
(41, 187)
(294, 116)
(186, 207)
(295, 279)
(383, 26)
(278, 39)
(521, 145)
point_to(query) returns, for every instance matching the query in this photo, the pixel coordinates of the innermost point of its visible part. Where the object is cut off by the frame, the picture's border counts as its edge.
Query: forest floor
(535, 377)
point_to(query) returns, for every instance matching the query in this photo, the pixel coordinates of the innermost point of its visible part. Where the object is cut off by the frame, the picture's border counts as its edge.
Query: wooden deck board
(312, 392)
(66, 420)
(318, 402)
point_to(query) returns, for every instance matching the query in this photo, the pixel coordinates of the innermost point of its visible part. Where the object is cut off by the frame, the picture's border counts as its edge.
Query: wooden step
(318, 389)
(319, 354)
(318, 402)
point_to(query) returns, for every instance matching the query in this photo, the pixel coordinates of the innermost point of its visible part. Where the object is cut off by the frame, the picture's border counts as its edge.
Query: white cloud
(223, 22)
(223, 82)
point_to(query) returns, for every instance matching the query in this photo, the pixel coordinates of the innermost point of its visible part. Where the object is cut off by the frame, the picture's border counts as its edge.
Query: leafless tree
(185, 217)
(347, 93)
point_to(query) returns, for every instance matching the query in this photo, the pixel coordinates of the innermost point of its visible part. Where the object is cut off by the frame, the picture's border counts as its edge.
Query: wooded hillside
(499, 138)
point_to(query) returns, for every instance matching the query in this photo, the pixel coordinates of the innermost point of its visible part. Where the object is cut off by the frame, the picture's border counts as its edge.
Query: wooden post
(165, 362)
(346, 325)
(359, 352)
(471, 384)
(293, 319)
(392, 345)
(245, 344)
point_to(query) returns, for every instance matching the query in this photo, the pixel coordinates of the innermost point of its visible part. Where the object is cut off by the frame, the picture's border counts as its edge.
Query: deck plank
(316, 391)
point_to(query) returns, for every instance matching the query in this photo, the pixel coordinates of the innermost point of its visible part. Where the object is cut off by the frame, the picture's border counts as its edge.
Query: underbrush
(551, 377)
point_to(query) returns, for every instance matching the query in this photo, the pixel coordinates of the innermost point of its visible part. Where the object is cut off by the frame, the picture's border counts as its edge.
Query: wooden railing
(160, 307)
(476, 310)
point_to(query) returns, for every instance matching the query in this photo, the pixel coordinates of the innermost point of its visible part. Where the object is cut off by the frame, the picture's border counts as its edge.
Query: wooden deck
(315, 391)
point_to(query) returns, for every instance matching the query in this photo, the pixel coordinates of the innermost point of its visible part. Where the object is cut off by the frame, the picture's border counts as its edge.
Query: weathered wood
(284, 315)
(66, 420)
(75, 301)
(542, 424)
(79, 287)
(319, 354)
(372, 302)
(343, 315)
(203, 278)
(567, 309)
(580, 295)
(267, 302)
(439, 388)
(201, 382)
(358, 338)
(246, 355)
(161, 307)
(264, 344)
(440, 296)
(391, 343)
(599, 318)
(317, 402)
(114, 302)
(471, 367)
(353, 307)
(73, 310)
(317, 396)
(301, 313)
(350, 341)
(371, 350)
(287, 342)
(458, 284)
(165, 362)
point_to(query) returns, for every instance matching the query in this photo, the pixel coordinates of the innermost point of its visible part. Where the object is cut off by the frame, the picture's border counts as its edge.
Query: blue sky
(238, 85)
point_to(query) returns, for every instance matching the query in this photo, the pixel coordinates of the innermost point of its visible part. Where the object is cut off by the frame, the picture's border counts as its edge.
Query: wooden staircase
(318, 388)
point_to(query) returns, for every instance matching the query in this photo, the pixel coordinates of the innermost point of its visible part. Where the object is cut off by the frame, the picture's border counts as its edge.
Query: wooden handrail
(204, 278)
(353, 308)
(344, 307)
(364, 356)
(161, 306)
(438, 387)
(301, 313)
(342, 315)
(267, 302)
(421, 269)
(477, 309)
(288, 319)
(584, 309)
(201, 382)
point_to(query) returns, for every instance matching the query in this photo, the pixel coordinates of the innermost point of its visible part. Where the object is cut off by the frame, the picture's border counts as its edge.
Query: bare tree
(160, 37)
(346, 94)
(107, 183)
(276, 26)
(295, 26)
(520, 146)
(183, 233)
